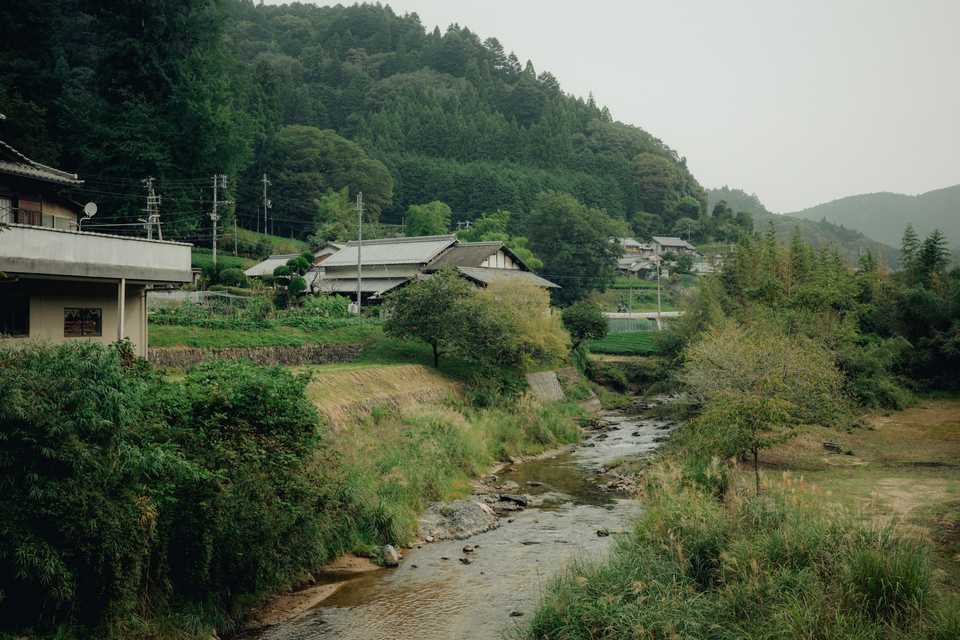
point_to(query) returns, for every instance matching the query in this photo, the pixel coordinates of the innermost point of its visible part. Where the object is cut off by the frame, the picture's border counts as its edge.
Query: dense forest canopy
(367, 98)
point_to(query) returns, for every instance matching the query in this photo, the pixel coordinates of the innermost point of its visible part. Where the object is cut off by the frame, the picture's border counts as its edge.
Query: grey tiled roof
(465, 254)
(486, 275)
(15, 163)
(417, 250)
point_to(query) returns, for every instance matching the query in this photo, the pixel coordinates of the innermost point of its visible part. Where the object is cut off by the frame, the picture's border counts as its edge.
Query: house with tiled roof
(389, 263)
(59, 284)
(486, 262)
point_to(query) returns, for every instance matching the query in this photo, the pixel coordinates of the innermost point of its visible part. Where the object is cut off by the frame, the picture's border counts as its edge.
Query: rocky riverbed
(483, 562)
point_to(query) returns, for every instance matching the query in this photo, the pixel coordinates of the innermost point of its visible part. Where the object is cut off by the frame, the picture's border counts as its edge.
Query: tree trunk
(436, 356)
(756, 469)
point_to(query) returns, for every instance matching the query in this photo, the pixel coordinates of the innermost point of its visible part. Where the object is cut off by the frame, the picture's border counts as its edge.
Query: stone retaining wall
(182, 357)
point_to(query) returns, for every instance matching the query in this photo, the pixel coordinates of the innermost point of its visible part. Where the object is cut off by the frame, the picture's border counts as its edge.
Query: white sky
(800, 101)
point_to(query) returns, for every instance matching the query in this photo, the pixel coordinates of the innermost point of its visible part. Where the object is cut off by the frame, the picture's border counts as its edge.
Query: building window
(82, 323)
(6, 210)
(14, 314)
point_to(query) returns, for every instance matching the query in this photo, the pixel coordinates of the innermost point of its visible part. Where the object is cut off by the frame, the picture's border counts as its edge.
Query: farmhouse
(60, 284)
(384, 264)
(670, 244)
(634, 248)
(486, 262)
(392, 262)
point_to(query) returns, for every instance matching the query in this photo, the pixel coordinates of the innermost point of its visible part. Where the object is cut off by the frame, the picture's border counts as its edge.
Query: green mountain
(884, 215)
(319, 99)
(850, 242)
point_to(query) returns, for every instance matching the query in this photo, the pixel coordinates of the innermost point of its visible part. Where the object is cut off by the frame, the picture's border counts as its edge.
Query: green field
(630, 343)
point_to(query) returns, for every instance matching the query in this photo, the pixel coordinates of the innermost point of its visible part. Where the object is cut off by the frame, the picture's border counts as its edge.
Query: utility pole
(266, 202)
(659, 320)
(234, 233)
(359, 250)
(152, 210)
(219, 180)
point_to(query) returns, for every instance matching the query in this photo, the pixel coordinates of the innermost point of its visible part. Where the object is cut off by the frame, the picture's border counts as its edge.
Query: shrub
(327, 306)
(232, 278)
(84, 471)
(253, 431)
(585, 321)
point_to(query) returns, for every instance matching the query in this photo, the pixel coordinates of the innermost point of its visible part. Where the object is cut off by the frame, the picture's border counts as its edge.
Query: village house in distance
(58, 283)
(389, 263)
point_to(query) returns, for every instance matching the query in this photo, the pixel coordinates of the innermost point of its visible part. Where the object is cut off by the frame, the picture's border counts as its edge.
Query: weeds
(773, 566)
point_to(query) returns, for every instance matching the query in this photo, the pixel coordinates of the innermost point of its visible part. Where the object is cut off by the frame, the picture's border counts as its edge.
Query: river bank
(543, 512)
(853, 535)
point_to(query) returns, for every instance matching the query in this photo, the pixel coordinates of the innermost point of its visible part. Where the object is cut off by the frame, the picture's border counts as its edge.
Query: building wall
(49, 298)
(500, 260)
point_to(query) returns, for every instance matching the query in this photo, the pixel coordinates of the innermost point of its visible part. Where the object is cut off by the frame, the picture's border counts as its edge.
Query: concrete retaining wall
(183, 357)
(545, 386)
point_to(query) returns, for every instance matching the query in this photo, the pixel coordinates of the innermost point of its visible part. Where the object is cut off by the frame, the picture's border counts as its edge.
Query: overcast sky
(799, 101)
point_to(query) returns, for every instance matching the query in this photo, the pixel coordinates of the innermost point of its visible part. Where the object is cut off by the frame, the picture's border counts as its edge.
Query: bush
(232, 278)
(252, 431)
(84, 472)
(129, 489)
(327, 306)
(585, 321)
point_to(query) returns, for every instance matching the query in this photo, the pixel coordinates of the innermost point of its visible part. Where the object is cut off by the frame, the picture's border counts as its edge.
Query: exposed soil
(900, 469)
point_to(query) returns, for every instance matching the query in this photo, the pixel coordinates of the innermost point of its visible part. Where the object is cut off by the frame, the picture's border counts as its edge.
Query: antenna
(89, 210)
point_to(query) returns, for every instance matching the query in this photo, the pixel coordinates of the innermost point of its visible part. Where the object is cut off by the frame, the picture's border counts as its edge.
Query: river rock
(603, 533)
(534, 483)
(468, 548)
(456, 520)
(519, 500)
(508, 486)
(391, 558)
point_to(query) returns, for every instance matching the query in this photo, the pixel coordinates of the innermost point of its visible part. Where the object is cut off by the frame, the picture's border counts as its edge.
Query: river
(432, 595)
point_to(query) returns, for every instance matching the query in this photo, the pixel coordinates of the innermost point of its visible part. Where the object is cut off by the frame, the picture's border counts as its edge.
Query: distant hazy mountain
(884, 215)
(849, 241)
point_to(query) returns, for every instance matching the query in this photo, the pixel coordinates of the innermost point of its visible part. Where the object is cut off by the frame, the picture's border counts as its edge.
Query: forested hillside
(882, 215)
(850, 242)
(320, 99)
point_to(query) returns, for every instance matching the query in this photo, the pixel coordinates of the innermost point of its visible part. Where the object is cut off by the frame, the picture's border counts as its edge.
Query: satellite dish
(90, 209)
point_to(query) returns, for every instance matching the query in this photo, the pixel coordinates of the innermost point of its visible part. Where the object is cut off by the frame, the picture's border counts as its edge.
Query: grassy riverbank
(164, 507)
(836, 546)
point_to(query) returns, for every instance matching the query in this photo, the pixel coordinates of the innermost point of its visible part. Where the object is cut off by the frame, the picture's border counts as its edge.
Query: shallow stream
(433, 596)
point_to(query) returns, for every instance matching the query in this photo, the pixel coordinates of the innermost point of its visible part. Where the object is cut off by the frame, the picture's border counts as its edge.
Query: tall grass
(773, 566)
(397, 462)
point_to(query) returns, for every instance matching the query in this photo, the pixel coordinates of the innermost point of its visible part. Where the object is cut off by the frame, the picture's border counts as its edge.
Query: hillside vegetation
(320, 98)
(848, 239)
(883, 215)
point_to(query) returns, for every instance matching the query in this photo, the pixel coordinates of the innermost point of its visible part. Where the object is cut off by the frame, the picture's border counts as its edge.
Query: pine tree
(908, 251)
(933, 258)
